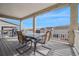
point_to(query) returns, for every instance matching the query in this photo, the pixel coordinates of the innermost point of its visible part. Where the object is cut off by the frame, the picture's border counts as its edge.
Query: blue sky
(59, 17)
(53, 18)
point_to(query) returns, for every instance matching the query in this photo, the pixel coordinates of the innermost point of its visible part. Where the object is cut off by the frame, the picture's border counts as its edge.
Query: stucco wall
(76, 43)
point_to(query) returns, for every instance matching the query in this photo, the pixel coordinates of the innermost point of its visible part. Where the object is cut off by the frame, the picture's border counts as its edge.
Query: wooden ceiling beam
(9, 22)
(10, 17)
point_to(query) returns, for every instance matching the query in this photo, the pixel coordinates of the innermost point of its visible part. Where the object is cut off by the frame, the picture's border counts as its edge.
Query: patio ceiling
(25, 10)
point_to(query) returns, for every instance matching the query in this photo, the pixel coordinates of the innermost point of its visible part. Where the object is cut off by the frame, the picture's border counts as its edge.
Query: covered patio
(23, 11)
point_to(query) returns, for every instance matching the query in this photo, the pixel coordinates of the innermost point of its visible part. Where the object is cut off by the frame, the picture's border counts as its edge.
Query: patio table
(35, 35)
(35, 38)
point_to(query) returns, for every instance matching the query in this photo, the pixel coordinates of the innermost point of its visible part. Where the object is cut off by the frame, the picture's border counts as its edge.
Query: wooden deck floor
(8, 48)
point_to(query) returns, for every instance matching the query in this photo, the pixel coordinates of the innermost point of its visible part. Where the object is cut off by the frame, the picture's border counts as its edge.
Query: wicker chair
(44, 39)
(23, 40)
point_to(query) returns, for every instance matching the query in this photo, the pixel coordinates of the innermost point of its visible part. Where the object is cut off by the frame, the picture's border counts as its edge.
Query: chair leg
(23, 47)
(47, 47)
(41, 52)
(20, 48)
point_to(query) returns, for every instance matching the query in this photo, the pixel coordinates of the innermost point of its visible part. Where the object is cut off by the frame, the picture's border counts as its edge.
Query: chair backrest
(47, 36)
(20, 37)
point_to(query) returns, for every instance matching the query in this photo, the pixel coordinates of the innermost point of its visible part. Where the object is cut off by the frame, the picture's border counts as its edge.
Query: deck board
(5, 49)
(8, 48)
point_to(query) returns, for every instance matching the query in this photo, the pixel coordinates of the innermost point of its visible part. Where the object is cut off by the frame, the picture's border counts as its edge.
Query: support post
(2, 32)
(34, 24)
(73, 22)
(20, 26)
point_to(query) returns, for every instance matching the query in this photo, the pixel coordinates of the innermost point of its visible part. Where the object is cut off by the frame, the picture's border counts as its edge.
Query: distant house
(7, 27)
